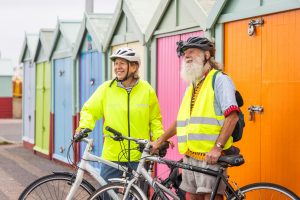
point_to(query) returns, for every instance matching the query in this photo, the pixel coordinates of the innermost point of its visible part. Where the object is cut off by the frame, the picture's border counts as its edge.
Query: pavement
(19, 166)
(11, 130)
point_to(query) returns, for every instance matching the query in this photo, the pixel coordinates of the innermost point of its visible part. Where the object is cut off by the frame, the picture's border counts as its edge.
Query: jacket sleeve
(155, 117)
(92, 109)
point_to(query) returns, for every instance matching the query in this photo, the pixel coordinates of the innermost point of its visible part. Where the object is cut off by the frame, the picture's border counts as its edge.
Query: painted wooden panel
(90, 78)
(29, 102)
(62, 108)
(262, 72)
(42, 135)
(177, 15)
(170, 87)
(6, 86)
(5, 107)
(280, 98)
(243, 64)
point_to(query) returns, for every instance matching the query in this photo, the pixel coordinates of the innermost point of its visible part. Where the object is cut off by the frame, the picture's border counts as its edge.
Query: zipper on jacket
(128, 117)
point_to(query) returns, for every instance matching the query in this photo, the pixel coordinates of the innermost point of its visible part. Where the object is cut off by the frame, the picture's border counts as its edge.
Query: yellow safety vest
(199, 130)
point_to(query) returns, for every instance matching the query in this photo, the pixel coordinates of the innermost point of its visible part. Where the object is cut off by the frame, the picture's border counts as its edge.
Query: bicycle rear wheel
(267, 191)
(56, 186)
(118, 188)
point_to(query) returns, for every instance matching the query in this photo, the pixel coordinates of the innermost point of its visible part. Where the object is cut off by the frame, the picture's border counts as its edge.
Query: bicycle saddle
(231, 160)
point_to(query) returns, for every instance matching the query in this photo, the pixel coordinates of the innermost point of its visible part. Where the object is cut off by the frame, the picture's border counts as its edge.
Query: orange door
(280, 128)
(243, 64)
(266, 69)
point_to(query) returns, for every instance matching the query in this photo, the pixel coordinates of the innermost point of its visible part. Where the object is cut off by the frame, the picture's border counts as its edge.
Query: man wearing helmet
(128, 105)
(206, 118)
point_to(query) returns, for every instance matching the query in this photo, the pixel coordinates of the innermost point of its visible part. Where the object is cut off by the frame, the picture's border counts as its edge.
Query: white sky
(20, 16)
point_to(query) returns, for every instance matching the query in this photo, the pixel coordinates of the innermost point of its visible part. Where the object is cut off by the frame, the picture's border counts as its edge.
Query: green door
(42, 108)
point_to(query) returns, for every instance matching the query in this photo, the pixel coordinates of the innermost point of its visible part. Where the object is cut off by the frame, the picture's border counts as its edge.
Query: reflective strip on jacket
(111, 103)
(199, 130)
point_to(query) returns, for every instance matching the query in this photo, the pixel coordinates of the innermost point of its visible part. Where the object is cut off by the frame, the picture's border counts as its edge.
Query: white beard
(193, 71)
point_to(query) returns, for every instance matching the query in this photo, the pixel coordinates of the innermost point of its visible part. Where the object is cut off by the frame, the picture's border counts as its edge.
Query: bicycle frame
(141, 171)
(84, 165)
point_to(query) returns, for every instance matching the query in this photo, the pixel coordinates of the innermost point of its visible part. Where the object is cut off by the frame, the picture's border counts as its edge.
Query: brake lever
(116, 138)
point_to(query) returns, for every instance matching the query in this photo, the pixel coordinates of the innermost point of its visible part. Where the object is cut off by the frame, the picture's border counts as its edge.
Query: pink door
(170, 87)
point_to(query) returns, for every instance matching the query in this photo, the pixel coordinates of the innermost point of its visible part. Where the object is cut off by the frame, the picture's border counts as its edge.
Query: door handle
(254, 23)
(254, 109)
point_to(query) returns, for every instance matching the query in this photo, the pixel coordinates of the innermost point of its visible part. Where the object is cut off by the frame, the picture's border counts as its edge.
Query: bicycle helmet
(195, 42)
(127, 54)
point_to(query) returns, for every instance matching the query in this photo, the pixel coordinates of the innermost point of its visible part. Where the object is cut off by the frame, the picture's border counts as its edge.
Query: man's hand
(155, 146)
(161, 148)
(213, 156)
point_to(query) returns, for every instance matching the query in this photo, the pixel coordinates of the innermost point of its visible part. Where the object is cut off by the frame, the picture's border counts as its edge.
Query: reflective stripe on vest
(199, 130)
(200, 120)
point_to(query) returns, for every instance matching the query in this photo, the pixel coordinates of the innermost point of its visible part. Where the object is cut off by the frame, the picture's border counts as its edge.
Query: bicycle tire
(119, 188)
(267, 191)
(56, 186)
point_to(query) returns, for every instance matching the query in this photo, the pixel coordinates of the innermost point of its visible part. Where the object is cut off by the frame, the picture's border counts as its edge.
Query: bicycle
(65, 185)
(127, 189)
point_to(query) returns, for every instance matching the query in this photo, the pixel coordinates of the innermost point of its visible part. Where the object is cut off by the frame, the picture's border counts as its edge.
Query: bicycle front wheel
(56, 186)
(267, 191)
(106, 192)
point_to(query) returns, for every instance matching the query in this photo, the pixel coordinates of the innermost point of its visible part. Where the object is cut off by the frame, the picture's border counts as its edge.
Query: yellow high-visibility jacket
(135, 114)
(199, 130)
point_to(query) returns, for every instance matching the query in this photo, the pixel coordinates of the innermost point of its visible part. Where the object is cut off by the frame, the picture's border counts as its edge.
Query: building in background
(90, 69)
(26, 57)
(175, 20)
(128, 29)
(6, 90)
(258, 41)
(43, 92)
(63, 120)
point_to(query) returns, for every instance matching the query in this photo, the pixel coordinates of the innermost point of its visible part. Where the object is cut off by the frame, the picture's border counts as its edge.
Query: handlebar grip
(116, 133)
(83, 133)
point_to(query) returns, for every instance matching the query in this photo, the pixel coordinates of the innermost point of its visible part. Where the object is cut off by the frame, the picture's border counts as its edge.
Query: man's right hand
(155, 145)
(161, 148)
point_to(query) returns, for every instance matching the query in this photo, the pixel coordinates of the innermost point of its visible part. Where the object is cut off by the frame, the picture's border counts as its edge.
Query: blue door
(90, 78)
(62, 108)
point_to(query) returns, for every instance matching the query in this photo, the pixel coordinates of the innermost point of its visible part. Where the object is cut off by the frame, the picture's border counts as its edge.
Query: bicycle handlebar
(119, 137)
(83, 133)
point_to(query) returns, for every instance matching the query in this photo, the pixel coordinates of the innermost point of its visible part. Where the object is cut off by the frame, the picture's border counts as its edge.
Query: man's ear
(207, 55)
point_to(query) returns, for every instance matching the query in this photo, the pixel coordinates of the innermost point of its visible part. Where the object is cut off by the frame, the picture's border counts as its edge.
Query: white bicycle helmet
(127, 54)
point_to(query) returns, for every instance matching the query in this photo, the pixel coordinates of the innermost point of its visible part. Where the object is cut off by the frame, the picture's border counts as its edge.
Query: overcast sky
(20, 16)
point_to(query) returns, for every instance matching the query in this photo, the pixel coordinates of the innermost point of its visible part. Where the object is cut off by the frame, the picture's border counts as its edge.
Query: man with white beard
(206, 118)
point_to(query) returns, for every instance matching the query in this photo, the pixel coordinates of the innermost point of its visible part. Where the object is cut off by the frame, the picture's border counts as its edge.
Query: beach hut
(26, 57)
(128, 29)
(175, 20)
(43, 92)
(63, 88)
(6, 95)
(258, 43)
(90, 67)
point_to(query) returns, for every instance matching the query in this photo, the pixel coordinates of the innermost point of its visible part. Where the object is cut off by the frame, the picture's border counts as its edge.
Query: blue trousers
(108, 172)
